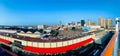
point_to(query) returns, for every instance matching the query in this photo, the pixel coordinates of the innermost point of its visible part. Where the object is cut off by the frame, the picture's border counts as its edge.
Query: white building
(41, 26)
(95, 26)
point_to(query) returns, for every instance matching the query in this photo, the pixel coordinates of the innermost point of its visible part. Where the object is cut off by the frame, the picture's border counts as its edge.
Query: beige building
(108, 23)
(94, 23)
(89, 22)
(101, 22)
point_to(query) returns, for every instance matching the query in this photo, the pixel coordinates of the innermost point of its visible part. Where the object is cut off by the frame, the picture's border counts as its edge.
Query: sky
(51, 12)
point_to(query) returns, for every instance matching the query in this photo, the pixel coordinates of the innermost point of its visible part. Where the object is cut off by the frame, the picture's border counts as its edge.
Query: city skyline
(36, 12)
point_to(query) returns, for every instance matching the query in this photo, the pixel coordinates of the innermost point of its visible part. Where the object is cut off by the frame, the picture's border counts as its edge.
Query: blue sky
(34, 12)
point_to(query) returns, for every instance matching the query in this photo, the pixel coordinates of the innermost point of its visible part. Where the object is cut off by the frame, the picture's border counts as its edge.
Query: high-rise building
(108, 23)
(82, 22)
(88, 22)
(101, 22)
(104, 23)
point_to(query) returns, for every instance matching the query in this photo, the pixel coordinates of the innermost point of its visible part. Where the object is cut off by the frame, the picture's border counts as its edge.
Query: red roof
(56, 49)
(5, 41)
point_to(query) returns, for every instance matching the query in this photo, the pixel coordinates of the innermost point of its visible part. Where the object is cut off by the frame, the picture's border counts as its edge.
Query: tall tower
(117, 24)
(88, 23)
(108, 22)
(82, 22)
(101, 22)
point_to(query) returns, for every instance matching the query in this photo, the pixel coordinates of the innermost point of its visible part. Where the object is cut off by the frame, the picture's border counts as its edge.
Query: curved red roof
(5, 41)
(57, 49)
